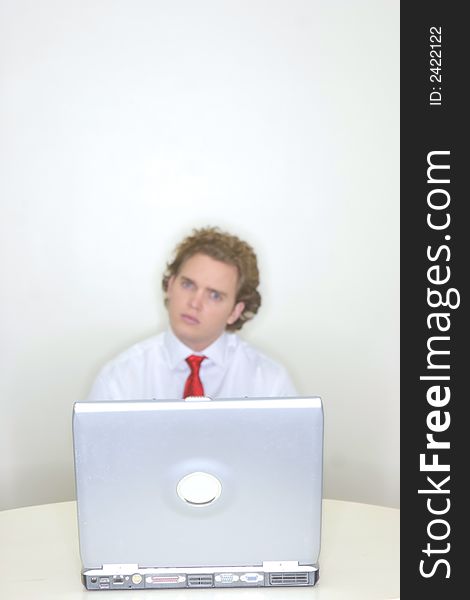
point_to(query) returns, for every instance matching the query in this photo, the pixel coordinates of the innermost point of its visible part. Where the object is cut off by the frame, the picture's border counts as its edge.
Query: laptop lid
(228, 482)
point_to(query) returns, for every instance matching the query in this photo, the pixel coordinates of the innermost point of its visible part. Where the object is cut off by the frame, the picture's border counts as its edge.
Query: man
(210, 291)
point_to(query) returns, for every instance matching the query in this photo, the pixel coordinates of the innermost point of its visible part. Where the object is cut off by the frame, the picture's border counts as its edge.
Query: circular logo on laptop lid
(199, 489)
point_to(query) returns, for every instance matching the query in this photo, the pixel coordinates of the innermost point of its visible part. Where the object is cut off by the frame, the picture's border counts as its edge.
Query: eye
(186, 283)
(214, 295)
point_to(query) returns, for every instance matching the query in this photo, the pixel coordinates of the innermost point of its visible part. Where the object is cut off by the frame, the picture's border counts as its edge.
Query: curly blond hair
(226, 248)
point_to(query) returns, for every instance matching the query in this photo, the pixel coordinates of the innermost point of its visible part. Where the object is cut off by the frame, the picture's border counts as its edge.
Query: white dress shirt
(156, 368)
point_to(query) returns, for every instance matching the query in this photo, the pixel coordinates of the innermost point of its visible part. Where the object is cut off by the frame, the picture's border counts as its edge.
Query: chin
(185, 336)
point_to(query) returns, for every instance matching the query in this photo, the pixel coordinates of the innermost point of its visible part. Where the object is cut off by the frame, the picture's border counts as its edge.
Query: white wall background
(124, 124)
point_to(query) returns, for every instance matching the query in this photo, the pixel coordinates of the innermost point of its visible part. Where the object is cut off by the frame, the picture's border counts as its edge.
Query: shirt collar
(177, 351)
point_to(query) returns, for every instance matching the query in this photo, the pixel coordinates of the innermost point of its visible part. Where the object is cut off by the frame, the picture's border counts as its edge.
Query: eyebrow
(186, 278)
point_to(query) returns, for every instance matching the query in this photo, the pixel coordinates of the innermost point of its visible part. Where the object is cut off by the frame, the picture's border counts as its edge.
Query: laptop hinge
(120, 567)
(280, 565)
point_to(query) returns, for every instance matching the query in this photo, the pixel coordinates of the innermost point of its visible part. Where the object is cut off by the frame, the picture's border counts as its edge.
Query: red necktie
(193, 385)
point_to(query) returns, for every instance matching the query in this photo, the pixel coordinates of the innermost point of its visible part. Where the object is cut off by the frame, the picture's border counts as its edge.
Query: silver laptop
(199, 493)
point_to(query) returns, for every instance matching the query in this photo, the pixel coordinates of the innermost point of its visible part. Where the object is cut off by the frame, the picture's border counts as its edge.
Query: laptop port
(200, 580)
(252, 578)
(226, 578)
(118, 580)
(166, 579)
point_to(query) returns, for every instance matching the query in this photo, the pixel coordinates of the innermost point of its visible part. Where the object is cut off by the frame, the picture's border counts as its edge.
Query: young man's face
(201, 300)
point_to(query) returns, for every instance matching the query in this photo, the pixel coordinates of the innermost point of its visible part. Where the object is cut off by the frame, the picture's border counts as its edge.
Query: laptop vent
(288, 578)
(200, 580)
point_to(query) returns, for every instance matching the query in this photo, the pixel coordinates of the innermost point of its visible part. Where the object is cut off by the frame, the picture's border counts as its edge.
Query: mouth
(190, 320)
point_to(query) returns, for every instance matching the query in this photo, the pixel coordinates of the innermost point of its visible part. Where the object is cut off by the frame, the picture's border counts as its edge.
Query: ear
(236, 312)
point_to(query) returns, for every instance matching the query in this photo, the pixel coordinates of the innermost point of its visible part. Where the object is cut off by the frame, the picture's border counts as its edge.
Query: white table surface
(359, 558)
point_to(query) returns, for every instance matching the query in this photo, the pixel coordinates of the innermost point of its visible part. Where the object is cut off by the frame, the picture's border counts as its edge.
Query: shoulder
(148, 349)
(254, 356)
(267, 377)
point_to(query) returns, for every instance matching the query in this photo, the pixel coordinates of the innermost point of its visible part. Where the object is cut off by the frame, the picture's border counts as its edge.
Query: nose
(195, 300)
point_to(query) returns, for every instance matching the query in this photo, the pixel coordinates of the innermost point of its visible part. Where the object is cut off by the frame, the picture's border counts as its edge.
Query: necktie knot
(194, 361)
(193, 386)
